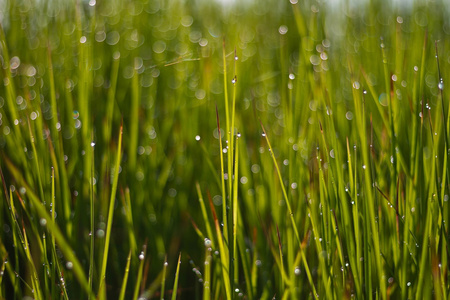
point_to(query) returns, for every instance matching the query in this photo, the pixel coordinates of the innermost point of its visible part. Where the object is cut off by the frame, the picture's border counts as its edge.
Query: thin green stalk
(92, 222)
(139, 274)
(125, 278)
(163, 279)
(204, 214)
(111, 212)
(177, 275)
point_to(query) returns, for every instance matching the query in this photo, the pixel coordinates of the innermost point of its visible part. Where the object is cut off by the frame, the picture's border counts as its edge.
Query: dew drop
(283, 29)
(69, 265)
(197, 138)
(141, 256)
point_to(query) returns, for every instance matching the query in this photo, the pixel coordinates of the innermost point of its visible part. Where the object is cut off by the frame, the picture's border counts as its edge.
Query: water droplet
(43, 222)
(349, 115)
(364, 167)
(408, 284)
(383, 99)
(441, 85)
(207, 242)
(263, 134)
(92, 144)
(197, 138)
(283, 29)
(416, 68)
(69, 265)
(141, 256)
(92, 2)
(75, 114)
(332, 153)
(291, 76)
(83, 39)
(234, 80)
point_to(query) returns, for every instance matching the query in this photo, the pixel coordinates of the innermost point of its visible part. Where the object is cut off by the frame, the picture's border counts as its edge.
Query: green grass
(157, 149)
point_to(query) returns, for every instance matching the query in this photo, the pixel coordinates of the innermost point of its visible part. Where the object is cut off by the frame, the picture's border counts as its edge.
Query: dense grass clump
(192, 149)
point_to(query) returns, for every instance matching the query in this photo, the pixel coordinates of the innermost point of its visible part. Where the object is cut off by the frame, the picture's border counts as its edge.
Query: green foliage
(199, 150)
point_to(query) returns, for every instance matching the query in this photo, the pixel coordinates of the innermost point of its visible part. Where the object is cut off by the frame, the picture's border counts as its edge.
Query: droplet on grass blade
(197, 138)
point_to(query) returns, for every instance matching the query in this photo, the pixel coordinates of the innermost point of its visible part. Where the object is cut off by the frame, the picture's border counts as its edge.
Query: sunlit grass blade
(177, 275)
(224, 254)
(163, 279)
(222, 177)
(111, 213)
(207, 276)
(137, 286)
(205, 215)
(125, 278)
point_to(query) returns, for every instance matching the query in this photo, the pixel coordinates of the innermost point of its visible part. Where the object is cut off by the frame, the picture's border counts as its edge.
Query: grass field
(156, 149)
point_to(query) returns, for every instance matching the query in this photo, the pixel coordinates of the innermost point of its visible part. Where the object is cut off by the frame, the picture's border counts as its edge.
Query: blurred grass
(349, 199)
